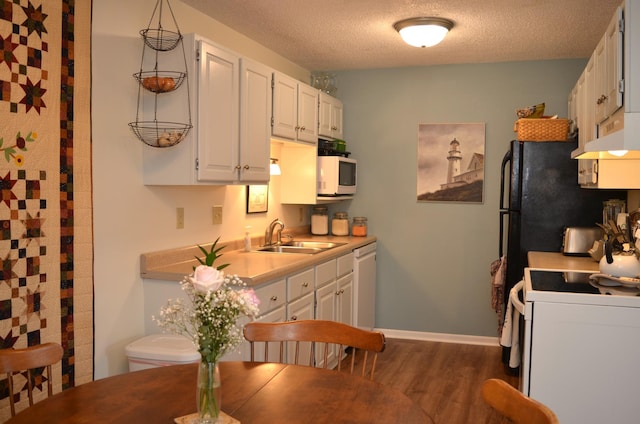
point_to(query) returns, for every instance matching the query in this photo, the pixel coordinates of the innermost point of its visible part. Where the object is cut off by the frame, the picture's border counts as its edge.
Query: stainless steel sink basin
(313, 244)
(306, 247)
(291, 249)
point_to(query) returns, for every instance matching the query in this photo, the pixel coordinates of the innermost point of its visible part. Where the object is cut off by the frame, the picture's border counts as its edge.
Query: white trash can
(159, 350)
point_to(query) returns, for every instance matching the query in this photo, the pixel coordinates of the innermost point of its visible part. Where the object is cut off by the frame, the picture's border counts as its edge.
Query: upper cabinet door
(255, 120)
(307, 113)
(600, 69)
(336, 119)
(325, 112)
(330, 116)
(218, 114)
(285, 106)
(614, 42)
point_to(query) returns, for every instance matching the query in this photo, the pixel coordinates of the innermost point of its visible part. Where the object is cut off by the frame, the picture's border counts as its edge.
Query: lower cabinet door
(300, 309)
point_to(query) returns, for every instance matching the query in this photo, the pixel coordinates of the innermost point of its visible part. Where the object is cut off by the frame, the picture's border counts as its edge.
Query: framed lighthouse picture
(451, 162)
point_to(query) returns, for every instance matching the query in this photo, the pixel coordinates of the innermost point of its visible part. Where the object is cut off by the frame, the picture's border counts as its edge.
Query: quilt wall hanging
(46, 244)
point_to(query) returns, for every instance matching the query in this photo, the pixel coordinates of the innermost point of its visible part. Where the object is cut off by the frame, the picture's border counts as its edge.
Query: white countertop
(253, 267)
(558, 261)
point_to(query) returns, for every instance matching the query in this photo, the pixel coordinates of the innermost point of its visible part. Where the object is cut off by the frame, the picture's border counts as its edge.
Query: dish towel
(511, 330)
(498, 277)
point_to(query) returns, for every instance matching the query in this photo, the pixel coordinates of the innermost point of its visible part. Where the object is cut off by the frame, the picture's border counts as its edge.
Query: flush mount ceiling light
(423, 32)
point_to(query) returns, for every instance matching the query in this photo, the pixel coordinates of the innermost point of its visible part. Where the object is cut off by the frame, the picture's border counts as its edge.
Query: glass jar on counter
(320, 221)
(340, 224)
(359, 226)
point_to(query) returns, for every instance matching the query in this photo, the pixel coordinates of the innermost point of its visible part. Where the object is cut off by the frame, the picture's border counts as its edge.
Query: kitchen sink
(306, 247)
(313, 244)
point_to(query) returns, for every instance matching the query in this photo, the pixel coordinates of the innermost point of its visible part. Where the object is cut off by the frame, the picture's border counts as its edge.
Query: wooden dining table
(252, 392)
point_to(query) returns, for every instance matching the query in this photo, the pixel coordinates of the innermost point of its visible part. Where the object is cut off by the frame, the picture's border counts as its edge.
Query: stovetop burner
(568, 281)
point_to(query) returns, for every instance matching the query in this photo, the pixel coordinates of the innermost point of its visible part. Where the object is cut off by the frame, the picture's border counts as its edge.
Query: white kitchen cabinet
(276, 315)
(616, 97)
(218, 113)
(272, 295)
(345, 289)
(300, 309)
(300, 284)
(326, 290)
(585, 110)
(295, 110)
(234, 109)
(229, 144)
(255, 121)
(330, 116)
(344, 299)
(613, 77)
(326, 297)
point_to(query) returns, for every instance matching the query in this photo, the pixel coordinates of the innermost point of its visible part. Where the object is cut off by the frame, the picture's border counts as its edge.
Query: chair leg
(11, 402)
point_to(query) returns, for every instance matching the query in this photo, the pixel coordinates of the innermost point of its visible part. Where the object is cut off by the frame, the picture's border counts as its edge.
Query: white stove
(581, 353)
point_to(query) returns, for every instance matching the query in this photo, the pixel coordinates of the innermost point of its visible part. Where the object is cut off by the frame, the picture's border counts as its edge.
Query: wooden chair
(13, 361)
(331, 333)
(513, 404)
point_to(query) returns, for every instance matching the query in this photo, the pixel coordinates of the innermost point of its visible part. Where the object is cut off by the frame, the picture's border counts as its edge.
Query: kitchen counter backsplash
(253, 267)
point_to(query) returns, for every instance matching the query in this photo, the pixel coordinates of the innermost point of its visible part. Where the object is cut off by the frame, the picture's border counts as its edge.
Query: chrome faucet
(268, 234)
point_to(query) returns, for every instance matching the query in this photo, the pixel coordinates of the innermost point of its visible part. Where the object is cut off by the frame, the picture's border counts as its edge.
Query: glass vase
(209, 393)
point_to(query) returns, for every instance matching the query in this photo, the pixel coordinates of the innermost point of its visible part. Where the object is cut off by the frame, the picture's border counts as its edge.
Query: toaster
(578, 240)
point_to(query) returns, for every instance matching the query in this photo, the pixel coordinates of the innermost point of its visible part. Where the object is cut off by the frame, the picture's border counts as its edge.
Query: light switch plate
(179, 218)
(217, 214)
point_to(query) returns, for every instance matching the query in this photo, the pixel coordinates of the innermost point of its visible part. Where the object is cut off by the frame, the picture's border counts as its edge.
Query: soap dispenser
(247, 239)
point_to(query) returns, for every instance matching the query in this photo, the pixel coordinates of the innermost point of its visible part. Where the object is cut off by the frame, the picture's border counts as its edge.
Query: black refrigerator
(539, 197)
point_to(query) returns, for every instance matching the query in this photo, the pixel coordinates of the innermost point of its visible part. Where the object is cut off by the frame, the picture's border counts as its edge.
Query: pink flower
(249, 296)
(206, 279)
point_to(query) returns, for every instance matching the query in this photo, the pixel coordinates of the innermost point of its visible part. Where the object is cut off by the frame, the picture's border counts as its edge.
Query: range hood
(605, 147)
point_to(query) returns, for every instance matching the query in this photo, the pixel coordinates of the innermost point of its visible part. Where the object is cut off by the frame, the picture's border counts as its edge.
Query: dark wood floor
(443, 378)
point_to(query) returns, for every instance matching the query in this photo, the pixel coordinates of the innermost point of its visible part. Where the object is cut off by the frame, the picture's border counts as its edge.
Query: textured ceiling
(359, 34)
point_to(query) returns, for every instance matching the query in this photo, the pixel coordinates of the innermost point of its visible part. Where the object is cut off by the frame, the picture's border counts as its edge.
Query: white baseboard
(440, 337)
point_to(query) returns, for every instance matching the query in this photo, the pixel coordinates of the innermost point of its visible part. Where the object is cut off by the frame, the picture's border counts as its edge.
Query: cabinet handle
(337, 292)
(274, 298)
(247, 167)
(297, 127)
(294, 318)
(302, 128)
(237, 167)
(305, 285)
(601, 99)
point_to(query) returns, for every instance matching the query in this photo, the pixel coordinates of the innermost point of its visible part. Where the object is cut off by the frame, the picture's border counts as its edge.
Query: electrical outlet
(217, 214)
(179, 218)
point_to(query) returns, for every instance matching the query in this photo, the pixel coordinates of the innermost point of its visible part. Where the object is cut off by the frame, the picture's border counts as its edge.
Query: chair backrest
(331, 333)
(13, 361)
(513, 404)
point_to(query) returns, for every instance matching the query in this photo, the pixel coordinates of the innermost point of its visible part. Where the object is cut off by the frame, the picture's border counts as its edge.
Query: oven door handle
(515, 300)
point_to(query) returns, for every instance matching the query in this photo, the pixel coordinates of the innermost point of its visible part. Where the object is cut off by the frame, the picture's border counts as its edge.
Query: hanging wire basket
(161, 39)
(160, 81)
(160, 134)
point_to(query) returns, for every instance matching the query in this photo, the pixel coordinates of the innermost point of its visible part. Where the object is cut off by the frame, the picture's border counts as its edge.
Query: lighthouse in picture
(455, 159)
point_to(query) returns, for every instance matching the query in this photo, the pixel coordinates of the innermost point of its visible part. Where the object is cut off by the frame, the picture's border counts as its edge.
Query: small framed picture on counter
(257, 198)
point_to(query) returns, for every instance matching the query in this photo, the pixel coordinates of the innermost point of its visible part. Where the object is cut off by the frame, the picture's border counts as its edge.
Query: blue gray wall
(433, 258)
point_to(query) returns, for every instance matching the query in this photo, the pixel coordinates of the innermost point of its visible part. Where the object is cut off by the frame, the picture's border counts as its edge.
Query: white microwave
(336, 176)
